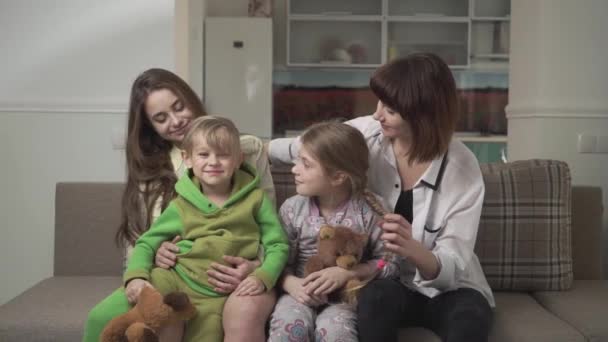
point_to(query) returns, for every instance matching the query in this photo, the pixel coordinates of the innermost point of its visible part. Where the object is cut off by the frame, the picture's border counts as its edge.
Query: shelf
(331, 64)
(477, 137)
(490, 18)
(433, 43)
(427, 19)
(504, 56)
(319, 17)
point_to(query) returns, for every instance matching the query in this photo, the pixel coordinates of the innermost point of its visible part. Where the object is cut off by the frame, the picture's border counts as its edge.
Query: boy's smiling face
(212, 167)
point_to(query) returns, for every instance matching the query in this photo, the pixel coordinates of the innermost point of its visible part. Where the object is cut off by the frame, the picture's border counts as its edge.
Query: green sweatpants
(206, 326)
(114, 305)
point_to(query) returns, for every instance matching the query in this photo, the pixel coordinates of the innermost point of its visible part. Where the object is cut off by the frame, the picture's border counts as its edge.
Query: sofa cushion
(584, 307)
(524, 239)
(86, 218)
(54, 309)
(284, 183)
(520, 318)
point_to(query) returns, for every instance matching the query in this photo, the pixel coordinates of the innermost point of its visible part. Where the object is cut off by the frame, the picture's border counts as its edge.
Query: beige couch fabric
(584, 306)
(53, 310)
(87, 213)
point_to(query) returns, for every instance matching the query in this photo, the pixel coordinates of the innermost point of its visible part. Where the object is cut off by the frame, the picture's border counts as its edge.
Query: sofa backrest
(523, 206)
(87, 215)
(86, 218)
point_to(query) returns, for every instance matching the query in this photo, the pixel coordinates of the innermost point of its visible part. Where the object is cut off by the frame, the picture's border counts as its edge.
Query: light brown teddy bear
(151, 313)
(339, 246)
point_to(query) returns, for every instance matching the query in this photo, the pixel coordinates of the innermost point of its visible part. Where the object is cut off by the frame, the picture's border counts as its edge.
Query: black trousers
(386, 305)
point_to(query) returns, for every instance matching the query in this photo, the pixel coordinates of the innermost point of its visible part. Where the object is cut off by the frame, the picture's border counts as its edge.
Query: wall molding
(536, 110)
(110, 106)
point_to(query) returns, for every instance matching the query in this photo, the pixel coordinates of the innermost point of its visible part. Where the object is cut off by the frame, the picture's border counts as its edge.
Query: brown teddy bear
(339, 246)
(148, 316)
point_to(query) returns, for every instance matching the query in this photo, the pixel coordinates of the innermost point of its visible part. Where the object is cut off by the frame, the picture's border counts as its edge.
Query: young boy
(219, 210)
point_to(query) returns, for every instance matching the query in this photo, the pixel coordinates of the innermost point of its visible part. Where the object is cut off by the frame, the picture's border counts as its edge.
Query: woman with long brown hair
(161, 108)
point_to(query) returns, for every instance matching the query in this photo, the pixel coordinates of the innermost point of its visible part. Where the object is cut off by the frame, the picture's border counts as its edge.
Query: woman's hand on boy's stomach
(226, 278)
(134, 288)
(166, 256)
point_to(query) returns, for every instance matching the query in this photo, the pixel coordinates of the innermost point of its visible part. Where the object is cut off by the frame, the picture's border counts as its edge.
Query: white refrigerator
(238, 72)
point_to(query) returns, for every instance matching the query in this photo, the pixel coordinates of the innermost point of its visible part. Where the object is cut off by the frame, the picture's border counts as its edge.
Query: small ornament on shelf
(260, 8)
(358, 52)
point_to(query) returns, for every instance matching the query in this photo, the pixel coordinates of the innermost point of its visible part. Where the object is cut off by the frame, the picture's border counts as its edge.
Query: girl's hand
(295, 289)
(225, 279)
(397, 235)
(251, 286)
(134, 288)
(166, 254)
(326, 281)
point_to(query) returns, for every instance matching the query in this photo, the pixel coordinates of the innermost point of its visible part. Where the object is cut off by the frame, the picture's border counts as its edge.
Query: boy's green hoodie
(208, 232)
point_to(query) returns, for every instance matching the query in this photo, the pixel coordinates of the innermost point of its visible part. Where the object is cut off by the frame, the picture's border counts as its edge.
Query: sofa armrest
(587, 213)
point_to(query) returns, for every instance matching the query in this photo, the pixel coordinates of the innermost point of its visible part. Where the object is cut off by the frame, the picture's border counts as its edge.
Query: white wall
(558, 86)
(66, 68)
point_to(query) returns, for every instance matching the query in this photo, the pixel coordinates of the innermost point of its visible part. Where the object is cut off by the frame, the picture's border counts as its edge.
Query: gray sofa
(87, 264)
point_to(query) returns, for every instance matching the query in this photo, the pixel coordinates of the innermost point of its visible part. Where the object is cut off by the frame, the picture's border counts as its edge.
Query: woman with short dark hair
(435, 189)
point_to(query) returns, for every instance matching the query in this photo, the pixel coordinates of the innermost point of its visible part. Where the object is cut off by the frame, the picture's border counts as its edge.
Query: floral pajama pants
(292, 321)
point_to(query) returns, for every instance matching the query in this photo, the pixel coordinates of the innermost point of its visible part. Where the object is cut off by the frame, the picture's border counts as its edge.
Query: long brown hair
(421, 88)
(150, 173)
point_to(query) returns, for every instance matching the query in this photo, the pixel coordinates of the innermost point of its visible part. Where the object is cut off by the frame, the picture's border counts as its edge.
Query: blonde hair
(339, 147)
(219, 133)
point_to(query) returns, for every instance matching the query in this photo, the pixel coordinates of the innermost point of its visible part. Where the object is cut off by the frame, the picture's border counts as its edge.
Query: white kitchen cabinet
(367, 33)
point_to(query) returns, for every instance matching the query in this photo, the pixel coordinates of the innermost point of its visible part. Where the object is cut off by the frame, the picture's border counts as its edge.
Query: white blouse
(447, 202)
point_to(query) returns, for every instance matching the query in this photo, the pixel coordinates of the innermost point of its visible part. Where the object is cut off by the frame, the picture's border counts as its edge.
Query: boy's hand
(295, 289)
(134, 288)
(251, 286)
(326, 281)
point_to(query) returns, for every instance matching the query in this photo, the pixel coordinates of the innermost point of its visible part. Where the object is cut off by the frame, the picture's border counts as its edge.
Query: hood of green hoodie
(244, 180)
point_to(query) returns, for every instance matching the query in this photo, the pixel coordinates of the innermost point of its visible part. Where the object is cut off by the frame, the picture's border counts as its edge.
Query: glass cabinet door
(492, 8)
(449, 40)
(335, 43)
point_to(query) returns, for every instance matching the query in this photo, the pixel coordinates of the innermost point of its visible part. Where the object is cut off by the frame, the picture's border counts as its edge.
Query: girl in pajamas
(435, 190)
(330, 176)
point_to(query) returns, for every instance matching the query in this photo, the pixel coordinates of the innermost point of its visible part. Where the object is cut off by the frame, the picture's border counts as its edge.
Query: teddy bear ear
(178, 301)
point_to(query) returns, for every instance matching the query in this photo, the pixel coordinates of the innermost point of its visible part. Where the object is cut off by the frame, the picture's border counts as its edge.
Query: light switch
(586, 143)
